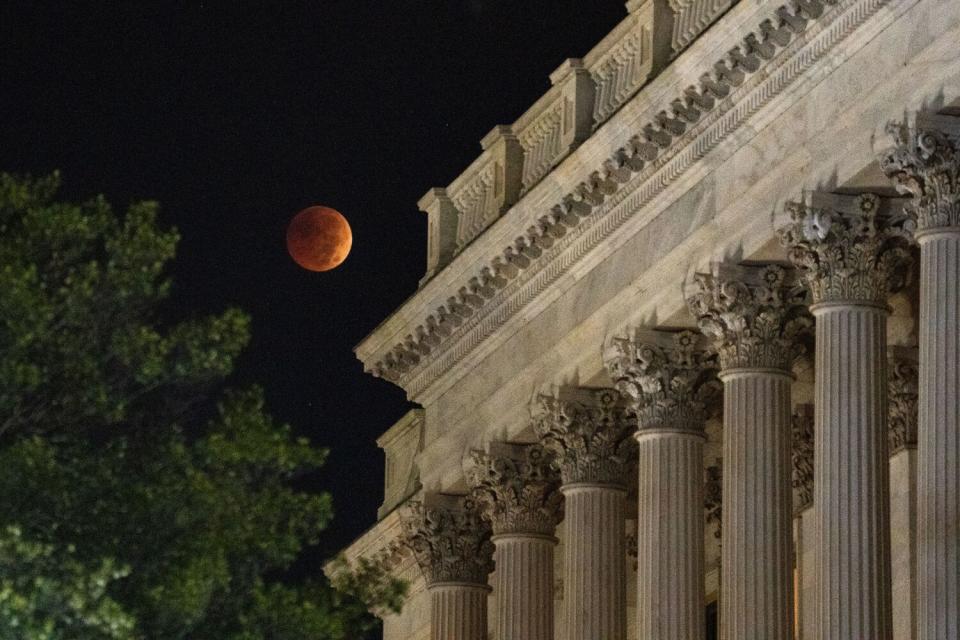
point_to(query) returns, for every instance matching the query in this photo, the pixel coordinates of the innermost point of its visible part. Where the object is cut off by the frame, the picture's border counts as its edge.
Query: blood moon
(319, 238)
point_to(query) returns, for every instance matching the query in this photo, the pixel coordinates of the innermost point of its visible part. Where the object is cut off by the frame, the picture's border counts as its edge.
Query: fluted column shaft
(458, 611)
(594, 576)
(757, 551)
(851, 473)
(755, 316)
(590, 433)
(672, 378)
(903, 543)
(804, 585)
(853, 252)
(670, 600)
(451, 544)
(924, 164)
(516, 486)
(523, 586)
(938, 437)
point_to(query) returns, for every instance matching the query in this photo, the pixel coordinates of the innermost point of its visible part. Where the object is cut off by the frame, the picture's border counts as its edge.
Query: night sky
(236, 115)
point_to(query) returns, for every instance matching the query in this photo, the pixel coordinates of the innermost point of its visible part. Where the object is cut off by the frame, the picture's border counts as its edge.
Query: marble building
(688, 343)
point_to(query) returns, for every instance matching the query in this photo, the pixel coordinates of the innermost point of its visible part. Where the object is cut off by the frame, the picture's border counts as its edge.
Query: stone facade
(705, 248)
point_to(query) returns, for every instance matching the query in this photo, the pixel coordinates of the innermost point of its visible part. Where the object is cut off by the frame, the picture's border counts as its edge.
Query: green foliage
(107, 460)
(368, 582)
(79, 289)
(47, 594)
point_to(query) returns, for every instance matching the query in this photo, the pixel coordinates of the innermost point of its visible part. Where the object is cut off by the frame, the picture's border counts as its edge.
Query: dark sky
(235, 115)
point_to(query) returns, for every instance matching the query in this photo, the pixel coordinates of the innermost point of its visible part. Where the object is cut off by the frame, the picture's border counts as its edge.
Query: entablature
(723, 80)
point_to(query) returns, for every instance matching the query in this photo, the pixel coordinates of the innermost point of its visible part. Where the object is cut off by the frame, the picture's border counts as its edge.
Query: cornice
(759, 66)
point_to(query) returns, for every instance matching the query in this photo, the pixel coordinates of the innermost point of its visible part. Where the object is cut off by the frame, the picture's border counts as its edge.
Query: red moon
(319, 238)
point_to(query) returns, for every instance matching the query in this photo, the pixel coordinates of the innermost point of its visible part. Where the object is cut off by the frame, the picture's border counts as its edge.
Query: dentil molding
(784, 46)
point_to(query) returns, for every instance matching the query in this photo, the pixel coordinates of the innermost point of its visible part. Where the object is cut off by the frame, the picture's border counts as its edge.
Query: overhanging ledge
(561, 224)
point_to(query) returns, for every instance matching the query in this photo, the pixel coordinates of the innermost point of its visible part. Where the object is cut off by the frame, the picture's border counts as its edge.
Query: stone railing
(401, 444)
(691, 17)
(692, 118)
(623, 61)
(557, 123)
(489, 186)
(583, 95)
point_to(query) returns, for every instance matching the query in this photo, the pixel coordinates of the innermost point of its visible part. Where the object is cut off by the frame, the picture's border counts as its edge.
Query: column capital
(589, 433)
(903, 394)
(670, 377)
(449, 539)
(925, 163)
(849, 249)
(516, 488)
(754, 315)
(802, 423)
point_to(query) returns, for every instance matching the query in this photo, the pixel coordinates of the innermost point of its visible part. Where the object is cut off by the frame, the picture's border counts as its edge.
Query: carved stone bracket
(903, 394)
(516, 488)
(925, 164)
(713, 497)
(854, 251)
(669, 376)
(449, 539)
(589, 433)
(754, 315)
(802, 457)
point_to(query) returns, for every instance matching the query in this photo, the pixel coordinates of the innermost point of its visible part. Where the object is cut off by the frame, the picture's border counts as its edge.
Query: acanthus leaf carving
(802, 426)
(590, 436)
(856, 256)
(755, 316)
(451, 543)
(903, 394)
(670, 378)
(713, 497)
(516, 490)
(925, 164)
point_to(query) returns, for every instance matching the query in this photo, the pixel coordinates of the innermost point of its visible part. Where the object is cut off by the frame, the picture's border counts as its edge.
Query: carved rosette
(925, 164)
(670, 384)
(591, 441)
(517, 494)
(713, 497)
(802, 457)
(903, 394)
(851, 257)
(449, 544)
(754, 316)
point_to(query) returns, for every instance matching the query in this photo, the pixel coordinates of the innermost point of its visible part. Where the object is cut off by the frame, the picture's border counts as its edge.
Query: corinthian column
(753, 316)
(851, 255)
(670, 378)
(926, 165)
(517, 490)
(451, 543)
(804, 535)
(902, 392)
(590, 435)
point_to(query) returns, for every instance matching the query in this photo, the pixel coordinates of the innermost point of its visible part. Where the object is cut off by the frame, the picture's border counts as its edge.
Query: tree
(120, 443)
(43, 593)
